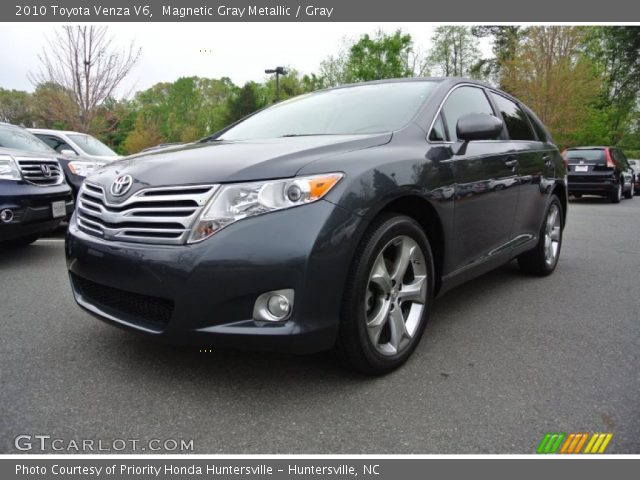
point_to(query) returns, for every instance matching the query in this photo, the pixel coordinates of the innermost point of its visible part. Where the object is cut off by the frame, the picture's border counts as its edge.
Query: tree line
(583, 82)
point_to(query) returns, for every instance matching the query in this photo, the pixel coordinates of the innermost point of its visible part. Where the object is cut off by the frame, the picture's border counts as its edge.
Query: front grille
(45, 171)
(162, 215)
(154, 311)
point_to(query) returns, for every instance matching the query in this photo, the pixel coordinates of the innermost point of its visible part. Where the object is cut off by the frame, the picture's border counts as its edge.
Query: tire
(20, 242)
(629, 193)
(616, 195)
(384, 312)
(543, 259)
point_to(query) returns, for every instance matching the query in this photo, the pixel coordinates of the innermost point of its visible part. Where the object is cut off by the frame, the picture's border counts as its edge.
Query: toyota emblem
(121, 185)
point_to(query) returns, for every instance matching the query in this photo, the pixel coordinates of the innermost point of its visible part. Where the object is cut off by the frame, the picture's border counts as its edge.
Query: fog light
(278, 306)
(274, 306)
(6, 215)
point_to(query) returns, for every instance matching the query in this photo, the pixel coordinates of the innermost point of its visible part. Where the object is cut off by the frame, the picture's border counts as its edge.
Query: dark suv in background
(34, 197)
(330, 220)
(75, 168)
(603, 171)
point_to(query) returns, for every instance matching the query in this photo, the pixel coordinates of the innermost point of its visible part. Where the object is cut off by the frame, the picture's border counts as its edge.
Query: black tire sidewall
(384, 231)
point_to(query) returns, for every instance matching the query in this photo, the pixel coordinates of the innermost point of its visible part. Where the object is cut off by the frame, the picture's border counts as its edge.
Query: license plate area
(58, 209)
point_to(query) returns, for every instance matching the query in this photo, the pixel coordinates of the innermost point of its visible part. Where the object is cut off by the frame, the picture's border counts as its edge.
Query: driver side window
(463, 101)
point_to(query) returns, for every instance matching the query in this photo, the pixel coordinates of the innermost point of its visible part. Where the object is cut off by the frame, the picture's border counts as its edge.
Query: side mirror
(69, 153)
(475, 126)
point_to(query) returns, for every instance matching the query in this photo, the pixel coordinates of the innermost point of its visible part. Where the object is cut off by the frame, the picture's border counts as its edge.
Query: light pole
(278, 71)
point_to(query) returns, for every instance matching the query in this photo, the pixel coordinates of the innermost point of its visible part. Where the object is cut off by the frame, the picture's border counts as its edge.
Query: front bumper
(203, 294)
(31, 208)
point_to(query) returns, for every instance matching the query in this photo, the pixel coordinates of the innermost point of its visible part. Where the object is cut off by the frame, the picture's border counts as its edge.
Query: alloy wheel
(552, 235)
(396, 295)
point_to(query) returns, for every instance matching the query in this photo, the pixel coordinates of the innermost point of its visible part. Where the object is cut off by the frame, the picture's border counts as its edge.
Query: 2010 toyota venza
(330, 220)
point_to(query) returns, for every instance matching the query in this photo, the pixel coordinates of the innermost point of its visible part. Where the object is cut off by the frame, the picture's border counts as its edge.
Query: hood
(226, 162)
(25, 154)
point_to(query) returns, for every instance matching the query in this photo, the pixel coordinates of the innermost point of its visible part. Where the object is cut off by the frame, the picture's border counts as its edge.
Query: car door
(535, 172)
(485, 188)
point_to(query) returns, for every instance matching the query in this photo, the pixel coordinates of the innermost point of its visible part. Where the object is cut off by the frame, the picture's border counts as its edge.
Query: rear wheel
(616, 195)
(543, 259)
(629, 193)
(387, 297)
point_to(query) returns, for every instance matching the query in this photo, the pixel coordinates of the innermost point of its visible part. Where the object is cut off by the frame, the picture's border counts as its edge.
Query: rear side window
(585, 155)
(515, 119)
(463, 101)
(539, 129)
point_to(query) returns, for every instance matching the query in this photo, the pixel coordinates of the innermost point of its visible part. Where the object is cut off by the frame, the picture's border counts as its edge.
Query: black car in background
(75, 168)
(34, 197)
(330, 220)
(603, 171)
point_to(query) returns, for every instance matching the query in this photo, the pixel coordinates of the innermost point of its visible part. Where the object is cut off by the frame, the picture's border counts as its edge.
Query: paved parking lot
(505, 359)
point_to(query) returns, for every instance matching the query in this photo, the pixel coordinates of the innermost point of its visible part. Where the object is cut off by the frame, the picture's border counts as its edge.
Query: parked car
(320, 222)
(635, 165)
(34, 198)
(76, 143)
(75, 168)
(602, 171)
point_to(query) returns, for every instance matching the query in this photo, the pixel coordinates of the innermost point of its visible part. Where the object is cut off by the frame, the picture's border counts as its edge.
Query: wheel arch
(560, 190)
(423, 212)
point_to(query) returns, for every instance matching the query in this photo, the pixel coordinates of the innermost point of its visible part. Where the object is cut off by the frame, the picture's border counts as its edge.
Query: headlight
(84, 169)
(8, 168)
(234, 202)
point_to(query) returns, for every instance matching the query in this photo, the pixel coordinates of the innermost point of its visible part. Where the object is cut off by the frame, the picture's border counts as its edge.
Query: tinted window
(463, 101)
(515, 119)
(437, 132)
(540, 131)
(363, 109)
(54, 142)
(594, 155)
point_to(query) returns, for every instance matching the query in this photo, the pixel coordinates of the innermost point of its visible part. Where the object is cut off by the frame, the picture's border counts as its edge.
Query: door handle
(511, 162)
(548, 161)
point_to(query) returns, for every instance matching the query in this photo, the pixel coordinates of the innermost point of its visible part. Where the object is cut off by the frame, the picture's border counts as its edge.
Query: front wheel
(387, 296)
(543, 259)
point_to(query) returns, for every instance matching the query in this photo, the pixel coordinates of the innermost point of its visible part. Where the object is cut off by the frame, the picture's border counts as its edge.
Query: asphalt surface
(505, 359)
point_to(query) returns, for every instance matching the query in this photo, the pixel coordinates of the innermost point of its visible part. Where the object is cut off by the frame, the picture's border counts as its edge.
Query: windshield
(595, 155)
(91, 145)
(375, 108)
(19, 139)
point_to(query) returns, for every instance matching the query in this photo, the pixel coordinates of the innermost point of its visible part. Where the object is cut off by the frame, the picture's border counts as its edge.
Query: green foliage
(16, 107)
(454, 52)
(370, 58)
(584, 83)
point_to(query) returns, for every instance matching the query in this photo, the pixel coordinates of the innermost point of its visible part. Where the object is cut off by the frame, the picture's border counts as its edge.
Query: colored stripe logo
(557, 442)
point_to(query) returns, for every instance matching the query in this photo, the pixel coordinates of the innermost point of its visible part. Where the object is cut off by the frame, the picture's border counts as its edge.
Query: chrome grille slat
(31, 169)
(147, 216)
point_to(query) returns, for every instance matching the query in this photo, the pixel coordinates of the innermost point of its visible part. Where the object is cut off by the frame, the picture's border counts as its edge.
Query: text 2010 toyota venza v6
(330, 220)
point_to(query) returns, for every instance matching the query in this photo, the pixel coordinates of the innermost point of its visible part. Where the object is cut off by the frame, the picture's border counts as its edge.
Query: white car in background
(76, 143)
